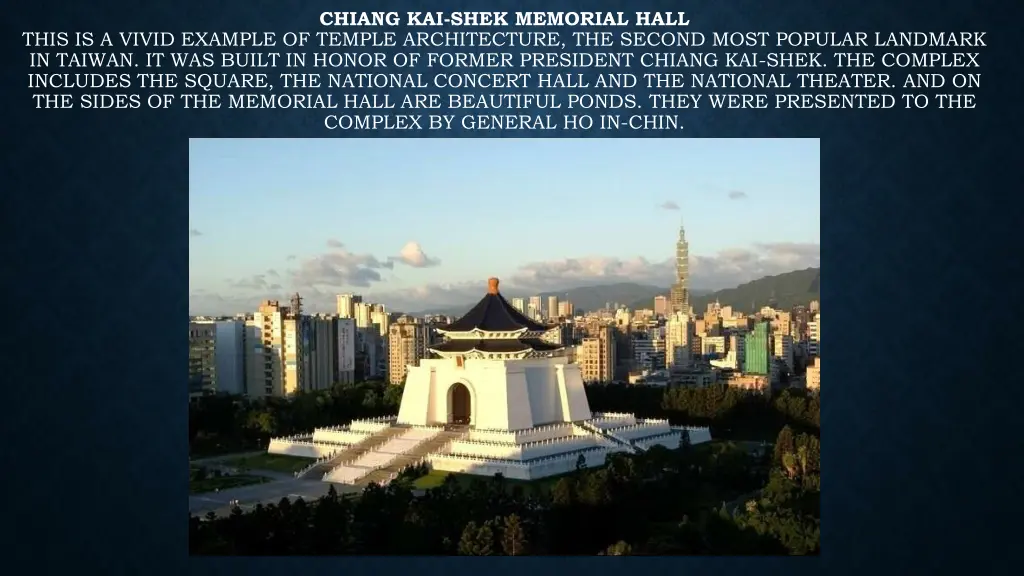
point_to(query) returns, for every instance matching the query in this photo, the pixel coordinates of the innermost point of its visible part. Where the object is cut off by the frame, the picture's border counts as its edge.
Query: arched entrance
(459, 404)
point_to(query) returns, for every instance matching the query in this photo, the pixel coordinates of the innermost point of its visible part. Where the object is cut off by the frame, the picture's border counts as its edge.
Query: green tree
(371, 399)
(513, 536)
(563, 493)
(477, 540)
(620, 548)
(263, 421)
(393, 395)
(790, 464)
(785, 443)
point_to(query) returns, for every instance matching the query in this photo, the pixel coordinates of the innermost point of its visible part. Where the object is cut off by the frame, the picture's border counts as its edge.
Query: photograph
(504, 347)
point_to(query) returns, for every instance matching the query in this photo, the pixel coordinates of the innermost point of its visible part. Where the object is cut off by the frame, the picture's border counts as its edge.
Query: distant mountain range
(787, 290)
(784, 291)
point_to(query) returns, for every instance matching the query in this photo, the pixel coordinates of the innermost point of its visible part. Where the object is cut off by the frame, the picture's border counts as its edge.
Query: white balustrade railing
(519, 434)
(653, 421)
(375, 420)
(693, 428)
(523, 451)
(339, 427)
(292, 437)
(612, 415)
(321, 460)
(438, 427)
(317, 444)
(639, 426)
(544, 442)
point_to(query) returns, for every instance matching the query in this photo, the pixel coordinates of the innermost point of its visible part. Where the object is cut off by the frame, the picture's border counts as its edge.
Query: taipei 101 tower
(679, 295)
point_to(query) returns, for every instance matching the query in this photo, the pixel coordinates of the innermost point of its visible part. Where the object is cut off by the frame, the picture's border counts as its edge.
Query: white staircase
(413, 456)
(629, 445)
(354, 452)
(405, 445)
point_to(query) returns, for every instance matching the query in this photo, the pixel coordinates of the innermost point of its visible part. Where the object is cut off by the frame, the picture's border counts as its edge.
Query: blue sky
(267, 217)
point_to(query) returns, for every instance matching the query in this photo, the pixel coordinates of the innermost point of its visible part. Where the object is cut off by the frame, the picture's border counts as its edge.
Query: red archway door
(460, 404)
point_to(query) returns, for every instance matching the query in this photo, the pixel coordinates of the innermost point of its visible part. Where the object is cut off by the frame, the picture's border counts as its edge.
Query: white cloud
(338, 268)
(412, 254)
(256, 282)
(591, 270)
(669, 205)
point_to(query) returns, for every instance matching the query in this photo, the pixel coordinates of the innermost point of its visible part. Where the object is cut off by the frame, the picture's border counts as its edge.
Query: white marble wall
(504, 395)
(301, 448)
(641, 430)
(372, 425)
(339, 436)
(526, 451)
(698, 435)
(670, 440)
(522, 436)
(517, 471)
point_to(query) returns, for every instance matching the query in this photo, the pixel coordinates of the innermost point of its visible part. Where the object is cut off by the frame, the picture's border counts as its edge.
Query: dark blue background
(920, 213)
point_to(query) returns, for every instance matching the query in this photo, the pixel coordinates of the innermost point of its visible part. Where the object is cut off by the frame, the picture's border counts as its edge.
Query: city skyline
(322, 217)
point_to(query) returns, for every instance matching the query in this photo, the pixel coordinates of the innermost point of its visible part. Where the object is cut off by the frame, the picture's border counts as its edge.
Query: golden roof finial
(492, 285)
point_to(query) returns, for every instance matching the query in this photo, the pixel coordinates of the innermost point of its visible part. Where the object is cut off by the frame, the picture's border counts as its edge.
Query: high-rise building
(660, 305)
(783, 350)
(369, 354)
(679, 338)
(346, 305)
(814, 375)
(533, 309)
(782, 323)
(714, 346)
(345, 350)
(272, 353)
(757, 357)
(229, 356)
(648, 351)
(552, 307)
(407, 345)
(565, 309)
(519, 304)
(363, 313)
(382, 320)
(202, 361)
(814, 336)
(596, 355)
(679, 294)
(318, 352)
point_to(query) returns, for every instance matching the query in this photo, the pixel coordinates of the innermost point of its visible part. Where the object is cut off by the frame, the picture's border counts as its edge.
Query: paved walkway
(269, 493)
(272, 474)
(223, 457)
